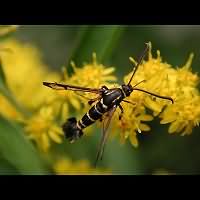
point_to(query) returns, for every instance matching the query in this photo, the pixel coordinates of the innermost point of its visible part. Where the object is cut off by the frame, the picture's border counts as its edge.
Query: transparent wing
(60, 86)
(90, 100)
(106, 123)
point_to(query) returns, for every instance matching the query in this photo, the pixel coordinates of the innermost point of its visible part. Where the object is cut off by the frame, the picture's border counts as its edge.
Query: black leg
(122, 111)
(129, 102)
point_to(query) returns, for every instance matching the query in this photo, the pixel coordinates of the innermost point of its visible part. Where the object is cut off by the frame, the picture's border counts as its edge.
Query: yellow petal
(189, 61)
(108, 71)
(180, 127)
(146, 118)
(174, 126)
(155, 106)
(133, 60)
(188, 130)
(168, 119)
(144, 127)
(57, 130)
(133, 139)
(109, 78)
(54, 137)
(44, 142)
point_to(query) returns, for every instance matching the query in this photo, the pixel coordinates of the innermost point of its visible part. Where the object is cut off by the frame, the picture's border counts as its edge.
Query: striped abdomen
(91, 116)
(110, 98)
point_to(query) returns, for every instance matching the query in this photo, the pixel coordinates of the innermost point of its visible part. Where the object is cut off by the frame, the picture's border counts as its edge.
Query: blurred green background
(114, 44)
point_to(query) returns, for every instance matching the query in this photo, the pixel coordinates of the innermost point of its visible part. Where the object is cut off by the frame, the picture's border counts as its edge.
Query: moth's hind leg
(122, 112)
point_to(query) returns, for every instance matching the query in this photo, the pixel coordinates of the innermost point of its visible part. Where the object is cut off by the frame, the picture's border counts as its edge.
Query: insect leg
(129, 102)
(122, 111)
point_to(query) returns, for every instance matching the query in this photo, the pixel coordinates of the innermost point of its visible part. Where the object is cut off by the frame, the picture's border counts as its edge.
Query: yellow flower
(42, 128)
(82, 167)
(183, 116)
(25, 72)
(132, 122)
(92, 75)
(179, 84)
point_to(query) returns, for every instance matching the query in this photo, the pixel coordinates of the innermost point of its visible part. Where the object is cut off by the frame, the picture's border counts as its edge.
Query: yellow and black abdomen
(110, 98)
(91, 116)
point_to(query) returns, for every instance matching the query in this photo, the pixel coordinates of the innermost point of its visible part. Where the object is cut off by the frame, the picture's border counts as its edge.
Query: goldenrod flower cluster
(161, 78)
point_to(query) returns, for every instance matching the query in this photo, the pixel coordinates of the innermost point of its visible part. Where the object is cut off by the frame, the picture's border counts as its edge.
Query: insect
(106, 103)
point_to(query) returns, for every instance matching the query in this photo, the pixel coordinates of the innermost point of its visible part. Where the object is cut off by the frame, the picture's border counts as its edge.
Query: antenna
(156, 95)
(139, 62)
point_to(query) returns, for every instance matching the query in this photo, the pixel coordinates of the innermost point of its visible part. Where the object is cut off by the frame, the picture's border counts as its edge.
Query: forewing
(60, 86)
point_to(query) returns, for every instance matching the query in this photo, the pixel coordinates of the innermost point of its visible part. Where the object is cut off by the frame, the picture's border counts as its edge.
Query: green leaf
(99, 39)
(7, 168)
(18, 150)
